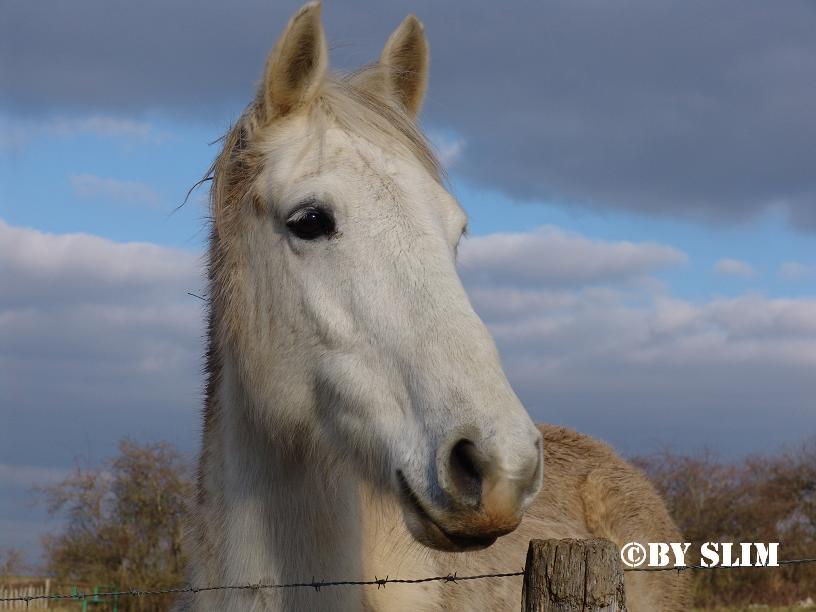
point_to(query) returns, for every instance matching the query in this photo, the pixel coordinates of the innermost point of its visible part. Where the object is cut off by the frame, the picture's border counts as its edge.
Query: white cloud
(449, 149)
(795, 271)
(109, 127)
(94, 332)
(585, 346)
(98, 187)
(551, 256)
(637, 366)
(85, 268)
(16, 133)
(734, 267)
(97, 338)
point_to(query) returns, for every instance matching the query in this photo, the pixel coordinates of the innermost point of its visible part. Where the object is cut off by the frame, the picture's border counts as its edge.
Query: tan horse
(357, 419)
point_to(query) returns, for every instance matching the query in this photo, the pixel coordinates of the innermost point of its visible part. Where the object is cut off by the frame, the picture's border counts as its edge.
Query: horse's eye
(311, 223)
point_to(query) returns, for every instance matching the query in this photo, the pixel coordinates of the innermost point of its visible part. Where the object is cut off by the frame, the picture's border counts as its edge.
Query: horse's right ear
(296, 67)
(405, 59)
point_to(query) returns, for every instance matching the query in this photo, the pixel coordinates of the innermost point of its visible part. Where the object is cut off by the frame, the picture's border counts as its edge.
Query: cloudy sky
(640, 176)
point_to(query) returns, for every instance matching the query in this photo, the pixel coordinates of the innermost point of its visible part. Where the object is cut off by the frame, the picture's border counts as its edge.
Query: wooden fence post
(573, 576)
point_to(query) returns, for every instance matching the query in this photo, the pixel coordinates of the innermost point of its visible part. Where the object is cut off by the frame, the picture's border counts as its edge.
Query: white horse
(357, 418)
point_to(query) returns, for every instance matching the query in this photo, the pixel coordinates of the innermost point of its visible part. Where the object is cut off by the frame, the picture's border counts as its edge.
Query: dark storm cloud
(684, 107)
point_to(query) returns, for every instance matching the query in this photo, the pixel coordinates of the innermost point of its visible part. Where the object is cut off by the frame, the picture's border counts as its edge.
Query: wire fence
(378, 582)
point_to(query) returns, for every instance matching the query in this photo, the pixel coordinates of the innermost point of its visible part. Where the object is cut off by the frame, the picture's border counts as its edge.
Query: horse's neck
(282, 516)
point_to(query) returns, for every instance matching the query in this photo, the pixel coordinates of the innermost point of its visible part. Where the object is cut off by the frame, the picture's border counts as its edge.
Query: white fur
(362, 346)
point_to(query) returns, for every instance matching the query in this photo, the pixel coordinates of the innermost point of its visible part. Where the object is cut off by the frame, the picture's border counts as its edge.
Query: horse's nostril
(466, 470)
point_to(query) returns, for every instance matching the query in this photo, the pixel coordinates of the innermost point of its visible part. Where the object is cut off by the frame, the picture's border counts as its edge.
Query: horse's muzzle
(480, 501)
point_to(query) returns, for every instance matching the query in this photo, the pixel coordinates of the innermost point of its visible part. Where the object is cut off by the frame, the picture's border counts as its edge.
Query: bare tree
(756, 499)
(12, 562)
(123, 521)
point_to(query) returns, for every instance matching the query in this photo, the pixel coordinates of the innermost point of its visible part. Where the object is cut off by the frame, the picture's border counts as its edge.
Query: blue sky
(43, 162)
(642, 213)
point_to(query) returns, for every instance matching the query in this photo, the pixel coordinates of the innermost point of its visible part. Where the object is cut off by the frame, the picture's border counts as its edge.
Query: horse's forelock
(359, 105)
(352, 102)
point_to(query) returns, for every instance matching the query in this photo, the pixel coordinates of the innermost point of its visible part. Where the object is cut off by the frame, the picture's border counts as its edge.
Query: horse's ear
(405, 59)
(297, 65)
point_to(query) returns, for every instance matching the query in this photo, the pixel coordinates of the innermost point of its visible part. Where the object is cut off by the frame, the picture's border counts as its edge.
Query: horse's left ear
(405, 58)
(297, 65)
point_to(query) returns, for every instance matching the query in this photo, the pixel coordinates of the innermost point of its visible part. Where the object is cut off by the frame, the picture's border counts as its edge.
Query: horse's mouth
(430, 532)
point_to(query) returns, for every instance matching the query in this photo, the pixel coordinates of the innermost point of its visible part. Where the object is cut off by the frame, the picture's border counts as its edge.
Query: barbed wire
(313, 584)
(378, 582)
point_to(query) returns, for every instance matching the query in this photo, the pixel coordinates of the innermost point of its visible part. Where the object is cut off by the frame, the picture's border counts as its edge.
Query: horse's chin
(432, 532)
